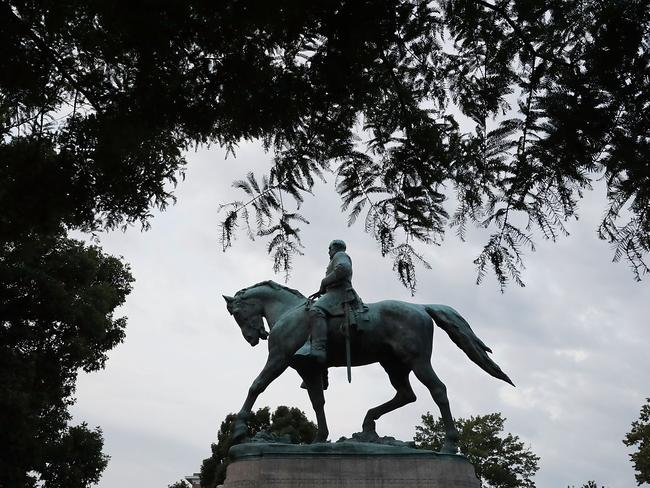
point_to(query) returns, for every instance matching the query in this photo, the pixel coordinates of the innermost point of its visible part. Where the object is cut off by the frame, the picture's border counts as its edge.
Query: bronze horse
(398, 335)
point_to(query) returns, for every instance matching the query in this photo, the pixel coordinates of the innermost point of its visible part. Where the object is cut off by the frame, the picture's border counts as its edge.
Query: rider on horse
(335, 293)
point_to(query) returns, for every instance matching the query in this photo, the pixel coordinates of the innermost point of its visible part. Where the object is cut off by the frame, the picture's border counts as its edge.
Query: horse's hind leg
(399, 378)
(424, 372)
(314, 382)
(274, 367)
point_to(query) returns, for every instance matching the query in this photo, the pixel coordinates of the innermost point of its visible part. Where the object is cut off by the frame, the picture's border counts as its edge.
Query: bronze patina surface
(396, 334)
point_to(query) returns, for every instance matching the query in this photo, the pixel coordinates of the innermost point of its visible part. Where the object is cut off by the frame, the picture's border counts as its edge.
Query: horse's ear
(229, 301)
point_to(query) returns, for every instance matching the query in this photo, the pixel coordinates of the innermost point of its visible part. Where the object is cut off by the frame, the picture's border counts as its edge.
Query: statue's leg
(274, 367)
(314, 382)
(424, 372)
(399, 378)
(318, 327)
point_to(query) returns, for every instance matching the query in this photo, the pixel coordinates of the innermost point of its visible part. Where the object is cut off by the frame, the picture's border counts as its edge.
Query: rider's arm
(342, 271)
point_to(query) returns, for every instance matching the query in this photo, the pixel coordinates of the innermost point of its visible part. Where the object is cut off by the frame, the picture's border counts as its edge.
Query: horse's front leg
(274, 367)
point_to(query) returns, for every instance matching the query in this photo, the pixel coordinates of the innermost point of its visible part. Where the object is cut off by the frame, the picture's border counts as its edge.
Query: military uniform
(337, 286)
(337, 297)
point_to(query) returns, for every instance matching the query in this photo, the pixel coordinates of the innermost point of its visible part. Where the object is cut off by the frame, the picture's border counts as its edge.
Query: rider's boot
(315, 349)
(318, 323)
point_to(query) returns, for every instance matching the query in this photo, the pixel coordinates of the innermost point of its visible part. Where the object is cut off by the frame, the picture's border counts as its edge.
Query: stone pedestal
(345, 464)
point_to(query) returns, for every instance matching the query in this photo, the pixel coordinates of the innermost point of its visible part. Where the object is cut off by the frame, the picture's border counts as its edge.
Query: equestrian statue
(333, 328)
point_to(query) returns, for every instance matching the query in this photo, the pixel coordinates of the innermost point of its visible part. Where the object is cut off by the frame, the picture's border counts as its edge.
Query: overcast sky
(574, 340)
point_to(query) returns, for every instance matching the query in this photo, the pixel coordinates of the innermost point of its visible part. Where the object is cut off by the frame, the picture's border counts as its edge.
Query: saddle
(342, 304)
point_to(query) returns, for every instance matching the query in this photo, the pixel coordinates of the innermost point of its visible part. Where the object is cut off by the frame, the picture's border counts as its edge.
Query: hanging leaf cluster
(508, 111)
(270, 219)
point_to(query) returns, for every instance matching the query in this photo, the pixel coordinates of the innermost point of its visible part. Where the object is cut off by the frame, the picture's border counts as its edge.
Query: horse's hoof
(321, 437)
(449, 448)
(366, 436)
(239, 433)
(369, 426)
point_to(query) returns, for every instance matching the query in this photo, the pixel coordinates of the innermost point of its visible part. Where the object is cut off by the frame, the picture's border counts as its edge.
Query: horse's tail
(463, 336)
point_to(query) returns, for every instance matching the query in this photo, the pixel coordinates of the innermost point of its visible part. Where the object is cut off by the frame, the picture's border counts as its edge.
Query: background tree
(74, 459)
(56, 316)
(179, 484)
(589, 484)
(285, 421)
(501, 460)
(639, 437)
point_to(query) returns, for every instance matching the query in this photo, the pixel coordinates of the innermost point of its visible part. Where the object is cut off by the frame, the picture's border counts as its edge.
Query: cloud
(574, 340)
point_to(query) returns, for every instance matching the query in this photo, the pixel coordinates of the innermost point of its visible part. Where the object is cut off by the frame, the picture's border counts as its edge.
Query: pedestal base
(345, 465)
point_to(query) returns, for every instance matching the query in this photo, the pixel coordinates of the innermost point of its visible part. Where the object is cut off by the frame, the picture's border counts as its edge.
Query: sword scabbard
(346, 332)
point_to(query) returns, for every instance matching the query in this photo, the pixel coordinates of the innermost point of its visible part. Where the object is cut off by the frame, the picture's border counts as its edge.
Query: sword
(346, 333)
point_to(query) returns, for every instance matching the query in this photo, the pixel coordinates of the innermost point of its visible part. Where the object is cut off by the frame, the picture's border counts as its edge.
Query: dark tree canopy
(285, 421)
(556, 95)
(501, 460)
(426, 114)
(639, 438)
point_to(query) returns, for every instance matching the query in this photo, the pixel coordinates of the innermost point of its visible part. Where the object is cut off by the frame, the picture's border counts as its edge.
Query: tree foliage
(639, 438)
(553, 92)
(75, 459)
(501, 460)
(285, 421)
(588, 484)
(426, 114)
(179, 484)
(56, 317)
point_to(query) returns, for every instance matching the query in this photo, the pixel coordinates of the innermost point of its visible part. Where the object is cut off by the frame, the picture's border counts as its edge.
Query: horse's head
(248, 314)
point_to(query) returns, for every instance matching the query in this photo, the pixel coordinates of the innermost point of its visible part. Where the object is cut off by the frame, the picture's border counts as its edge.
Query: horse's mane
(272, 284)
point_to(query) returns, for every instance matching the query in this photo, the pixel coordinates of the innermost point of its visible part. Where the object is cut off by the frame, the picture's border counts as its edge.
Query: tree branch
(52, 55)
(521, 34)
(399, 89)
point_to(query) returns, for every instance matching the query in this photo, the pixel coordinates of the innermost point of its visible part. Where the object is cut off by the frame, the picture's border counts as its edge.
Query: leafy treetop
(639, 437)
(285, 421)
(588, 484)
(501, 460)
